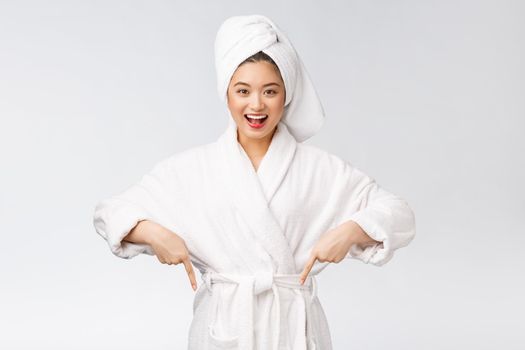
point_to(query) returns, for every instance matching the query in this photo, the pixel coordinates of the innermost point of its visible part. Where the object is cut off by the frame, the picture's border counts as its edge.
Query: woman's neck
(255, 148)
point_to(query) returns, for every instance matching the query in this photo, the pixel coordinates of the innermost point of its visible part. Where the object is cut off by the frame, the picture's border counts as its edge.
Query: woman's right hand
(168, 247)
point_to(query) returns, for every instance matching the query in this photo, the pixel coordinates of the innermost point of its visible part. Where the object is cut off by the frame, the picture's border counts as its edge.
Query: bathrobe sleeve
(147, 199)
(384, 216)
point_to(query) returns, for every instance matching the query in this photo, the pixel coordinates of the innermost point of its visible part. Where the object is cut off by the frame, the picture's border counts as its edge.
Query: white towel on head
(238, 38)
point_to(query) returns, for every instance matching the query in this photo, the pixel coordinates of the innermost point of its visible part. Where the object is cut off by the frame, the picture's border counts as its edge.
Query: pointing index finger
(191, 274)
(307, 268)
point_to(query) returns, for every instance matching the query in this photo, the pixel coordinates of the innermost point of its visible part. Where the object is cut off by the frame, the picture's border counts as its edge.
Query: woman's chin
(258, 134)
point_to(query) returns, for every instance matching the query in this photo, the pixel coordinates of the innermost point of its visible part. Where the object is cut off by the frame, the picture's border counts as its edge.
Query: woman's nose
(256, 103)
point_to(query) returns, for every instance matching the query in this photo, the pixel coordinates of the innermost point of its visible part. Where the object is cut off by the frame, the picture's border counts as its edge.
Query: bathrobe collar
(252, 191)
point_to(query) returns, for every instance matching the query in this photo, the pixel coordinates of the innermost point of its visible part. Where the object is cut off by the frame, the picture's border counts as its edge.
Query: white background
(427, 97)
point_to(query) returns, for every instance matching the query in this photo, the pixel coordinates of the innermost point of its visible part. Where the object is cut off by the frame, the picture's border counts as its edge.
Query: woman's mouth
(256, 120)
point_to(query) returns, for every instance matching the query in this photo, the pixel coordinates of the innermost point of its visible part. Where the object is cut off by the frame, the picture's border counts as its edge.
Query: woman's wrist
(156, 233)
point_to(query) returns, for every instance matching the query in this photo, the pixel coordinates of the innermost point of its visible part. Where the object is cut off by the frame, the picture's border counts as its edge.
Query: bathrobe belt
(249, 286)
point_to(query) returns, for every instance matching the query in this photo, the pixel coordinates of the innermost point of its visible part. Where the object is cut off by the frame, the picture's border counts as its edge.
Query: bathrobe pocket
(218, 342)
(222, 329)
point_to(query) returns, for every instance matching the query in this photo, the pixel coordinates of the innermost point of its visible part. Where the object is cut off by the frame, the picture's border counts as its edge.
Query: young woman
(258, 212)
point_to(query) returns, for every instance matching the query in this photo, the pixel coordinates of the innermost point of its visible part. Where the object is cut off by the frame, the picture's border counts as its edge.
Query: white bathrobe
(250, 234)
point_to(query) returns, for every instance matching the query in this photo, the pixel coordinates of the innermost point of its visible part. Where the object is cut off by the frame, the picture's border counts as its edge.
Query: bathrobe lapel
(251, 191)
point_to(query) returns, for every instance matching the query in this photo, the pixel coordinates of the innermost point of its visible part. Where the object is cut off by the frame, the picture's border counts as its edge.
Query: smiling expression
(256, 97)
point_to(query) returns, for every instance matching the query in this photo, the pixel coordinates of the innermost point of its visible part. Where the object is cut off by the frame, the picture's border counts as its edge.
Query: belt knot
(263, 281)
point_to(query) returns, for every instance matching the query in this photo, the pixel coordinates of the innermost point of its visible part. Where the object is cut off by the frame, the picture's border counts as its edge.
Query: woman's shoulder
(328, 165)
(320, 157)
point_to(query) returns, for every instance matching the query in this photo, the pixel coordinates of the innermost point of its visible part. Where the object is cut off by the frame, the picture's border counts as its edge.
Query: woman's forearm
(143, 232)
(358, 235)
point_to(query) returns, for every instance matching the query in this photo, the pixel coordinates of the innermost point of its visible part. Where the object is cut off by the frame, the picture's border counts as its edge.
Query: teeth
(256, 116)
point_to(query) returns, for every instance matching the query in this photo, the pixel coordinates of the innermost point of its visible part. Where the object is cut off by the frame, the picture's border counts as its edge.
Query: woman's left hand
(333, 246)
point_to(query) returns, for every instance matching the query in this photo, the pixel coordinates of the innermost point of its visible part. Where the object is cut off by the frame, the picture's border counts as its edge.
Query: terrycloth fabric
(250, 234)
(238, 38)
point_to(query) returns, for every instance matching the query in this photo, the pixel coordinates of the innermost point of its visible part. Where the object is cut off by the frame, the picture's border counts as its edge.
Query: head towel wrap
(238, 38)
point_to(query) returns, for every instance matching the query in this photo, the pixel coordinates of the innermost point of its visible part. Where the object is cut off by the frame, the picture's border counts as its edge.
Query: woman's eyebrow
(243, 83)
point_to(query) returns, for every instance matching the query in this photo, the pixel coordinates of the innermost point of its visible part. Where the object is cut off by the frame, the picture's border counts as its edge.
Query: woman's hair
(259, 57)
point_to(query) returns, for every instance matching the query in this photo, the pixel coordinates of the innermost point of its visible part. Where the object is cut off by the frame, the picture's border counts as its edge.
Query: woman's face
(256, 90)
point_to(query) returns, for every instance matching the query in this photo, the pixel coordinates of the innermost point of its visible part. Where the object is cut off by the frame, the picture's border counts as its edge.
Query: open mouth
(256, 120)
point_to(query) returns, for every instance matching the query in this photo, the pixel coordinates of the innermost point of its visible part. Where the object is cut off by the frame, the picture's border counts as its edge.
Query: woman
(258, 212)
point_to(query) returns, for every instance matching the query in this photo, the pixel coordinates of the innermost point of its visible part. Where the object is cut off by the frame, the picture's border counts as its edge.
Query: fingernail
(194, 287)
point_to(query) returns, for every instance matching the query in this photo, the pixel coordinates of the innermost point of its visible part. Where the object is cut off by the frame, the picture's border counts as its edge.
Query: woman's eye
(268, 92)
